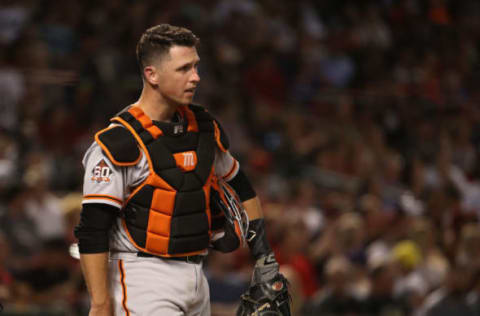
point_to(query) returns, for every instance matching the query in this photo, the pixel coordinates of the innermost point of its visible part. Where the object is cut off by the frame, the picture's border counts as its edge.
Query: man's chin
(185, 101)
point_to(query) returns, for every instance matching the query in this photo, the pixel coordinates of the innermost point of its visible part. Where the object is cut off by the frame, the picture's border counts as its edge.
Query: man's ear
(151, 75)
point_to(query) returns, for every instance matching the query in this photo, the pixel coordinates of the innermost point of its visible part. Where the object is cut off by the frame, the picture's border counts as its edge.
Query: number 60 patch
(101, 172)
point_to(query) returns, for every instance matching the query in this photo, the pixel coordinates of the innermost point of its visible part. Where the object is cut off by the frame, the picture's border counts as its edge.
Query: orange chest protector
(168, 214)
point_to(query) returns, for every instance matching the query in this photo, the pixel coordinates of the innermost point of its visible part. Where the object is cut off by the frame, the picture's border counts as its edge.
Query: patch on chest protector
(187, 161)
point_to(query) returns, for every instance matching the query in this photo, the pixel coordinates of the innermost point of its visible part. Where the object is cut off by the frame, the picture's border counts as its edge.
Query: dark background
(357, 121)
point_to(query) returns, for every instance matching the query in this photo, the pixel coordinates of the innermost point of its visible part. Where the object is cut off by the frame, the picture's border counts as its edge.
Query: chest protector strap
(169, 213)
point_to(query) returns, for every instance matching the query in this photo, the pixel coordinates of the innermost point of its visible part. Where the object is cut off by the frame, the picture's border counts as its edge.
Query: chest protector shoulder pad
(119, 145)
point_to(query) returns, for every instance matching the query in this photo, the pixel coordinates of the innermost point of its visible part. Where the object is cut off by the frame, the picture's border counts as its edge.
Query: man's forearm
(266, 266)
(95, 271)
(256, 237)
(253, 208)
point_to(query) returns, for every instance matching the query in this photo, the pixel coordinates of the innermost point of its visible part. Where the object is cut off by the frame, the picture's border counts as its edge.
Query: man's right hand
(95, 271)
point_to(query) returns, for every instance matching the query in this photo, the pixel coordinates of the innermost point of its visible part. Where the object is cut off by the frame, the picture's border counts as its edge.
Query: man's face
(177, 74)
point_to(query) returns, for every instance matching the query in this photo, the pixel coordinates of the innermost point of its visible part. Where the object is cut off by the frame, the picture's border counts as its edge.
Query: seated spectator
(335, 297)
(381, 299)
(454, 299)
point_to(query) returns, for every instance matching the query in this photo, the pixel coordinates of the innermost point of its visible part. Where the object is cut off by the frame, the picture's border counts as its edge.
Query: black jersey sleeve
(92, 231)
(242, 186)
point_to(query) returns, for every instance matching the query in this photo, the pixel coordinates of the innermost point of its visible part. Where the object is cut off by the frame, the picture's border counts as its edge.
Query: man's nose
(195, 76)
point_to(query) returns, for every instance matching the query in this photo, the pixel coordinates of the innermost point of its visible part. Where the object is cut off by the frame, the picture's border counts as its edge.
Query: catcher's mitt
(269, 298)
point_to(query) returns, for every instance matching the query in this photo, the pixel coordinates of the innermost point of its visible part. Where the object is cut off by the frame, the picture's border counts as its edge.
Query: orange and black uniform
(168, 214)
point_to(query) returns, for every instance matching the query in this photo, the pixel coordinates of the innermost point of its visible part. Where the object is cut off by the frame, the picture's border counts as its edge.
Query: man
(146, 221)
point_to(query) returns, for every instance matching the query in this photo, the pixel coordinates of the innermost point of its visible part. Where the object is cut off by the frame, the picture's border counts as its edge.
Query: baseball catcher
(268, 293)
(146, 212)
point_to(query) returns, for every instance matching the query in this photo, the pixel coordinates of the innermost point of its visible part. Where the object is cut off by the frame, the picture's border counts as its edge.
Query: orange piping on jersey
(234, 167)
(102, 196)
(124, 287)
(217, 137)
(192, 122)
(109, 155)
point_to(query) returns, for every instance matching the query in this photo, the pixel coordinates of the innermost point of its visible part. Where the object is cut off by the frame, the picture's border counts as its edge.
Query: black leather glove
(268, 293)
(269, 298)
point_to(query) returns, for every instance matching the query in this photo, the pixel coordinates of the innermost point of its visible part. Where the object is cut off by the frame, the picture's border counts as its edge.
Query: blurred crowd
(357, 121)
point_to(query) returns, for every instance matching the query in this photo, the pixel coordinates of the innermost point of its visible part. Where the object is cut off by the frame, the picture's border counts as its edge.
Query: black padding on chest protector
(185, 142)
(132, 121)
(196, 108)
(201, 114)
(190, 202)
(218, 218)
(173, 176)
(137, 210)
(137, 126)
(121, 144)
(206, 126)
(126, 116)
(204, 119)
(136, 216)
(214, 207)
(161, 157)
(187, 225)
(184, 244)
(218, 222)
(146, 137)
(191, 182)
(138, 235)
(206, 150)
(143, 197)
(206, 142)
(223, 136)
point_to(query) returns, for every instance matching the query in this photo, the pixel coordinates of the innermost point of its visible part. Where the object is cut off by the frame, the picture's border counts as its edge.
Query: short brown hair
(157, 40)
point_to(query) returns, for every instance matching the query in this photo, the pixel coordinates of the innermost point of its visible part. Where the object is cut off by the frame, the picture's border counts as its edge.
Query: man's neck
(156, 107)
